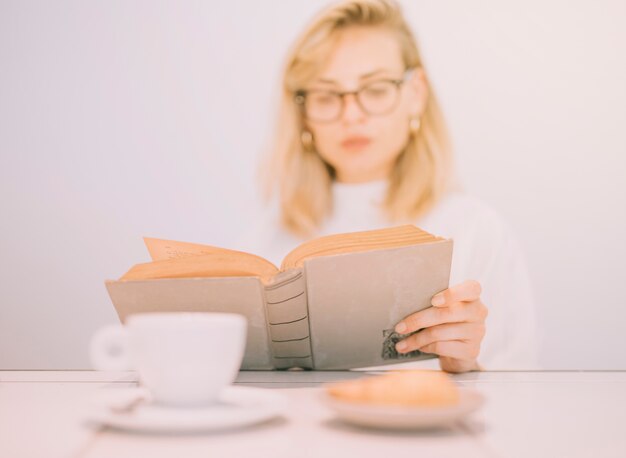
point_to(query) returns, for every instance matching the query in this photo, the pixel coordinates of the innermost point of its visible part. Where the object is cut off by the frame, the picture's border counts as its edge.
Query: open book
(333, 303)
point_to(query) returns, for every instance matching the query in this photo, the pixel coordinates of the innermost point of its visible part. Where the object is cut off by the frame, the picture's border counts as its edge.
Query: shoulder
(461, 214)
(483, 240)
(469, 206)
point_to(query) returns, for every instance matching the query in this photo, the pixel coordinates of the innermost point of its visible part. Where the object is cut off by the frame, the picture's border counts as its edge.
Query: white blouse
(485, 249)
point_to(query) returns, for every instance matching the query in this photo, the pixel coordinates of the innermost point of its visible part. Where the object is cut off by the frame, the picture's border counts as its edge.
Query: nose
(352, 111)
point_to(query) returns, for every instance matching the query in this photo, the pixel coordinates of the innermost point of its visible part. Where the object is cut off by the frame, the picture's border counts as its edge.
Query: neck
(357, 178)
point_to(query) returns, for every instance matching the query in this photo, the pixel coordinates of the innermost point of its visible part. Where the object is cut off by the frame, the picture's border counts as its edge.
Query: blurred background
(124, 119)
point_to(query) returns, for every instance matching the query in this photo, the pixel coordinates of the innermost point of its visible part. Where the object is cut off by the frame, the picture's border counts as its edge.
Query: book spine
(288, 320)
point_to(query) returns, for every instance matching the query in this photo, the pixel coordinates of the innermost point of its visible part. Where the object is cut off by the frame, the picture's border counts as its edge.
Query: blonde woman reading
(361, 144)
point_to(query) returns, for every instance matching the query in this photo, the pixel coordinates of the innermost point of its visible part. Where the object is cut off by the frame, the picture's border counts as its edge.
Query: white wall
(123, 119)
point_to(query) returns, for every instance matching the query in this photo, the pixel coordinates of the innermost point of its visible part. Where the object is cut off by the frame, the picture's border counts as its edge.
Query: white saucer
(237, 407)
(405, 417)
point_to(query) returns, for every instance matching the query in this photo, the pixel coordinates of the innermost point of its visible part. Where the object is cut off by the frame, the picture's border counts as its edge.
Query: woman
(360, 145)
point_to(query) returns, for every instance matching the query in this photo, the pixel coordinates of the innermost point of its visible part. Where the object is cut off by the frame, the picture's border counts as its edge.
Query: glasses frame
(300, 98)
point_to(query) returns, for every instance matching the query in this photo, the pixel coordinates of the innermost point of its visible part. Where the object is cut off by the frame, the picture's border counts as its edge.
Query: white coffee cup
(183, 359)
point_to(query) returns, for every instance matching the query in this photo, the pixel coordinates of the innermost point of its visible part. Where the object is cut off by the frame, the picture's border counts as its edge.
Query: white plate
(237, 407)
(405, 417)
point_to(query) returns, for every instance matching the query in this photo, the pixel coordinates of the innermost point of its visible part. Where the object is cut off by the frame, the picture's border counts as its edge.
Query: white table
(527, 414)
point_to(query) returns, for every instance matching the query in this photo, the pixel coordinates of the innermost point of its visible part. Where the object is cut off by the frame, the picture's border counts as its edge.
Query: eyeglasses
(376, 98)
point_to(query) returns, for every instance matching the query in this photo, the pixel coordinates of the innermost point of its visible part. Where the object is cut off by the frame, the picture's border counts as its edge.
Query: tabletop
(526, 414)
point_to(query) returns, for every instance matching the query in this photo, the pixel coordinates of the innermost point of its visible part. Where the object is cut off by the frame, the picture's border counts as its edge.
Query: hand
(453, 328)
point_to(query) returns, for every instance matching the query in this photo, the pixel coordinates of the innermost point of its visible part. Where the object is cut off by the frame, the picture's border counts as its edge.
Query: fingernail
(400, 346)
(400, 328)
(438, 300)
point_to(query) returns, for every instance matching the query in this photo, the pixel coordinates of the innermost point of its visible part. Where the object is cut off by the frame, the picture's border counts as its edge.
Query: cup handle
(109, 349)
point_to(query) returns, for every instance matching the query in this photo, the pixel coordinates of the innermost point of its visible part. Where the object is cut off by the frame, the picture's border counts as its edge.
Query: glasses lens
(322, 106)
(378, 98)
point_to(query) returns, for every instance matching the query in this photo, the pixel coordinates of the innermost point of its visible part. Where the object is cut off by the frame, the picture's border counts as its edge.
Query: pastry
(422, 388)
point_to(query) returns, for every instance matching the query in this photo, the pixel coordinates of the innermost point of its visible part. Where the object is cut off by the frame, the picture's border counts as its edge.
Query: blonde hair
(422, 172)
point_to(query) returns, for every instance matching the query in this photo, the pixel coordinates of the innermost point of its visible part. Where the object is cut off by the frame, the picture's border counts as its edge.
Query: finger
(455, 313)
(443, 332)
(467, 291)
(457, 349)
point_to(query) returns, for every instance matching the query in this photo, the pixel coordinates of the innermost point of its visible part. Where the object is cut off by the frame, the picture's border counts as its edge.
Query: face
(362, 146)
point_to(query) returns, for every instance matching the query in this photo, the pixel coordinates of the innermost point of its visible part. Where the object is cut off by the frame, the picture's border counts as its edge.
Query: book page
(206, 265)
(161, 249)
(352, 242)
(173, 259)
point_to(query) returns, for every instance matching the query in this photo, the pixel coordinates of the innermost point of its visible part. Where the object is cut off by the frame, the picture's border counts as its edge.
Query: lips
(356, 143)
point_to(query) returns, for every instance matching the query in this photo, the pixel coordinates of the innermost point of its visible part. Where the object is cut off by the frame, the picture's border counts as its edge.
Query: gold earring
(414, 125)
(307, 140)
